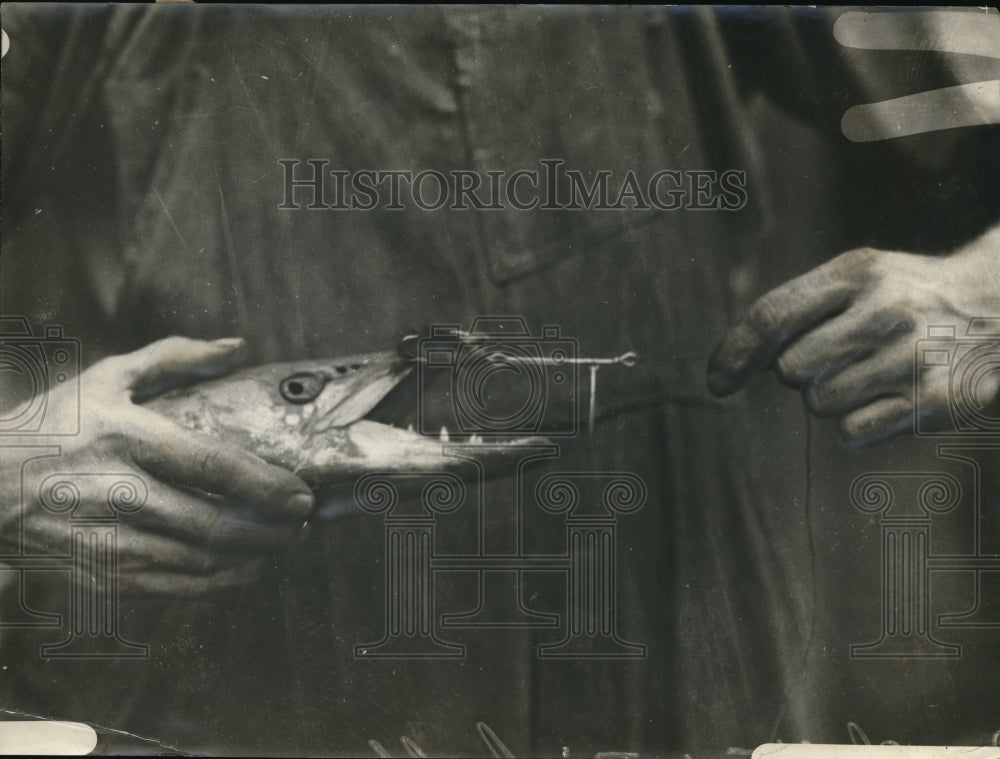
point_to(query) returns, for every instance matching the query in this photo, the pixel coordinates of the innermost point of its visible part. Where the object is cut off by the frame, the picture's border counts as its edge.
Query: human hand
(214, 514)
(845, 334)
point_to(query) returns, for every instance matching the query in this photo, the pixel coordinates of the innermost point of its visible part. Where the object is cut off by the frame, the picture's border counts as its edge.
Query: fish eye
(302, 387)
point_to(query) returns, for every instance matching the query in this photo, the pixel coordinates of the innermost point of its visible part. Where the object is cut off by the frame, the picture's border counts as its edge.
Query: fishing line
(811, 550)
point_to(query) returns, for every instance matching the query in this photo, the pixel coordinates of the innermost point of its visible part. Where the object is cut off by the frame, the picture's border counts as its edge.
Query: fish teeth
(444, 435)
(475, 439)
(409, 427)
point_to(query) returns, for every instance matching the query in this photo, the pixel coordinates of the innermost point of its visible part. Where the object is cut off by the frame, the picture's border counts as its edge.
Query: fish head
(281, 411)
(332, 393)
(332, 420)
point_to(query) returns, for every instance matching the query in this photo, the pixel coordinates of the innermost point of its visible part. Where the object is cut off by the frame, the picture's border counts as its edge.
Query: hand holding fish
(845, 334)
(214, 511)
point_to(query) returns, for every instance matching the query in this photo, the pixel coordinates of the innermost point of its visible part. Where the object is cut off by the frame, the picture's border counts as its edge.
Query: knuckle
(864, 257)
(208, 459)
(861, 265)
(171, 344)
(109, 439)
(141, 452)
(154, 455)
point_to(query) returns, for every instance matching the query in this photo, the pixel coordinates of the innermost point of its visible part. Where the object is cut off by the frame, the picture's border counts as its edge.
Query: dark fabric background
(141, 187)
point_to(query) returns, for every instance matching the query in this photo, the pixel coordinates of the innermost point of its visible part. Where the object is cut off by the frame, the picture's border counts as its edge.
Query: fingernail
(301, 504)
(228, 343)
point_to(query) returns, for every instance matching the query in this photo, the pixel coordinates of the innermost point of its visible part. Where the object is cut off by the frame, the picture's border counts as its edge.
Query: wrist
(972, 274)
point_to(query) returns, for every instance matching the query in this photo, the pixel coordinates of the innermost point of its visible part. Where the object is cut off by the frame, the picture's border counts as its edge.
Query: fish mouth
(420, 416)
(411, 430)
(387, 442)
(405, 458)
(394, 437)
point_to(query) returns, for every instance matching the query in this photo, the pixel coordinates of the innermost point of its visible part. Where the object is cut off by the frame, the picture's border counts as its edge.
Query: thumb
(177, 361)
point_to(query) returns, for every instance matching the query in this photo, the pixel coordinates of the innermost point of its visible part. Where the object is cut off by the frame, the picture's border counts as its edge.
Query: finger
(174, 527)
(181, 457)
(140, 551)
(213, 541)
(782, 314)
(174, 532)
(176, 361)
(154, 583)
(885, 374)
(836, 343)
(204, 520)
(143, 553)
(877, 422)
(821, 352)
(238, 530)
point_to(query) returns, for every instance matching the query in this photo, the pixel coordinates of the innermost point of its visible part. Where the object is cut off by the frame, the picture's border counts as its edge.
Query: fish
(310, 416)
